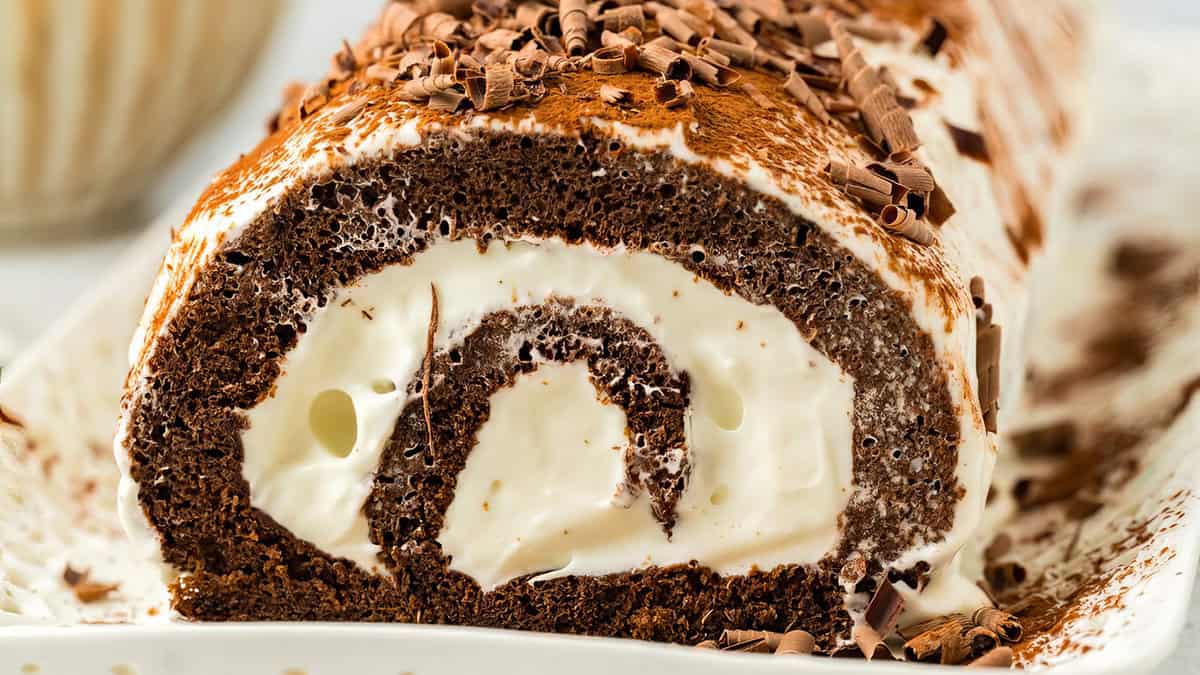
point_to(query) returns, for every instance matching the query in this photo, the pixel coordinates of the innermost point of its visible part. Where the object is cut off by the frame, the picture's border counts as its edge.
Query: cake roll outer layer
(769, 430)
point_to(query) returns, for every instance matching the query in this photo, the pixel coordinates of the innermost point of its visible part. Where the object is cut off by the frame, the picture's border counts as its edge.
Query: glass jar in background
(96, 95)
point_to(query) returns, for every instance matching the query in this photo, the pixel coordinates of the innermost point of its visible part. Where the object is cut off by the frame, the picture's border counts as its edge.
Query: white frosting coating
(768, 429)
(974, 242)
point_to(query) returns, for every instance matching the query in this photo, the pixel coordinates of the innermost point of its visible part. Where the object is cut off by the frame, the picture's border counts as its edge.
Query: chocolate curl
(664, 62)
(732, 638)
(729, 29)
(491, 10)
(397, 19)
(381, 73)
(748, 19)
(415, 63)
(873, 32)
(796, 642)
(935, 36)
(672, 23)
(633, 35)
(500, 38)
(712, 56)
(424, 87)
(799, 90)
(738, 54)
(531, 64)
(859, 182)
(884, 609)
(813, 29)
(597, 7)
(915, 177)
(630, 16)
(708, 644)
(611, 39)
(466, 68)
(960, 647)
(614, 60)
(928, 644)
(885, 119)
(615, 95)
(868, 640)
(940, 209)
(1004, 575)
(1000, 657)
(759, 98)
(987, 367)
(349, 111)
(711, 73)
(674, 93)
(666, 42)
(443, 59)
(447, 100)
(978, 290)
(493, 90)
(1003, 624)
(440, 26)
(343, 63)
(572, 14)
(537, 15)
(774, 11)
(903, 221)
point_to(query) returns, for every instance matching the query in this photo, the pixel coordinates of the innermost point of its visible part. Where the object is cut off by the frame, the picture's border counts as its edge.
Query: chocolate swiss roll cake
(624, 319)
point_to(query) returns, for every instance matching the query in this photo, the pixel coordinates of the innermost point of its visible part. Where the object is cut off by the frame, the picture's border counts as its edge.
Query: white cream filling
(769, 426)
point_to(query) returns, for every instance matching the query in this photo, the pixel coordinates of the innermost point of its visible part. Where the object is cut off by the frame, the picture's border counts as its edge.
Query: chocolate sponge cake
(624, 319)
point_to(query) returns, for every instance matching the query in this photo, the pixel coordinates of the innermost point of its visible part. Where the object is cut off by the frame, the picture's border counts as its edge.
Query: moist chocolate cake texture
(579, 318)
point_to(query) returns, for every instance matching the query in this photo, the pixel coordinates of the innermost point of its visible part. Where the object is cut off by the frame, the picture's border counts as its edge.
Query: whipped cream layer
(769, 426)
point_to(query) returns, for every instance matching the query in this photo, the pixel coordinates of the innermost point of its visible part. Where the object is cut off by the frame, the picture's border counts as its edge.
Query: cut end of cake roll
(636, 320)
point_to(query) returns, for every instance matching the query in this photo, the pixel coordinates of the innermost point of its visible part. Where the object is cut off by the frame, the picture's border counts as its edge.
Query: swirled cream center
(769, 426)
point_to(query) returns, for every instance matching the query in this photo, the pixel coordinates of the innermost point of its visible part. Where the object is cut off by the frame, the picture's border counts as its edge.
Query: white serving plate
(57, 508)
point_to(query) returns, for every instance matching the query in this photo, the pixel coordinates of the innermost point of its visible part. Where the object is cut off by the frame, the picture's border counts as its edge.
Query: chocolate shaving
(940, 209)
(7, 418)
(1056, 439)
(664, 62)
(987, 368)
(91, 591)
(943, 640)
(759, 98)
(673, 24)
(999, 547)
(539, 16)
(620, 18)
(914, 177)
(493, 90)
(611, 39)
(397, 19)
(673, 93)
(813, 29)
(727, 28)
(500, 38)
(708, 644)
(711, 73)
(349, 111)
(977, 291)
(427, 366)
(886, 121)
(665, 42)
(615, 95)
(613, 60)
(1000, 657)
(424, 87)
(448, 100)
(903, 221)
(733, 639)
(796, 642)
(873, 32)
(749, 19)
(935, 37)
(1003, 624)
(73, 577)
(344, 63)
(869, 641)
(969, 143)
(572, 15)
(799, 90)
(382, 73)
(736, 53)
(884, 609)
